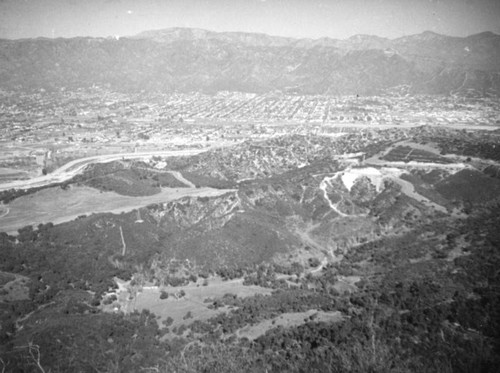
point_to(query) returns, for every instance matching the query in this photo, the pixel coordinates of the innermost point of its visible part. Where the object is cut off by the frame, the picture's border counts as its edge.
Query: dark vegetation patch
(127, 179)
(469, 186)
(9, 195)
(409, 154)
(231, 239)
(67, 340)
(432, 315)
(472, 147)
(480, 144)
(430, 177)
(394, 208)
(423, 184)
(493, 171)
(130, 179)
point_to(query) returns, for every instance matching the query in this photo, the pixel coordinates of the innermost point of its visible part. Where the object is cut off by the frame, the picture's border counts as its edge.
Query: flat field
(57, 205)
(176, 306)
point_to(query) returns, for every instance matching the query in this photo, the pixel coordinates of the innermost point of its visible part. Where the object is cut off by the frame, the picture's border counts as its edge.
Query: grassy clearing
(57, 205)
(176, 306)
(11, 173)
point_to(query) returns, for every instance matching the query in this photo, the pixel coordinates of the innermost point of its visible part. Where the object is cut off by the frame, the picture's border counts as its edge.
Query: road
(72, 168)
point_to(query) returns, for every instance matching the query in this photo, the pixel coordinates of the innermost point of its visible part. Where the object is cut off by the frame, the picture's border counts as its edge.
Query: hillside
(327, 255)
(197, 60)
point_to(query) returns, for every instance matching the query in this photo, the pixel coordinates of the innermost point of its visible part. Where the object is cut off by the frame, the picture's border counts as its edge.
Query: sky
(338, 19)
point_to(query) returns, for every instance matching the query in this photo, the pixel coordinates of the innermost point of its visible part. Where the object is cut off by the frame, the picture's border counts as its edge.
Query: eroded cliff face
(218, 231)
(211, 212)
(330, 209)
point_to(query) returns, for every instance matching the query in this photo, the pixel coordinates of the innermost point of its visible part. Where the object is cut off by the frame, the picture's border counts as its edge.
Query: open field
(57, 205)
(10, 173)
(176, 306)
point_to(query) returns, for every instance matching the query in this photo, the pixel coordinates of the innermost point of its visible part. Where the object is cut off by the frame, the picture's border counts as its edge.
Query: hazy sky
(297, 18)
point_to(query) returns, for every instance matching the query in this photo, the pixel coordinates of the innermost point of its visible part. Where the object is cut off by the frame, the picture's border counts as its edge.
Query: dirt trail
(124, 245)
(305, 236)
(335, 206)
(181, 178)
(323, 185)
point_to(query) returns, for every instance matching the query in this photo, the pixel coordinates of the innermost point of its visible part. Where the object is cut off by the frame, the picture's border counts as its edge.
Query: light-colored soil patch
(13, 287)
(57, 205)
(346, 284)
(177, 307)
(459, 249)
(377, 177)
(287, 320)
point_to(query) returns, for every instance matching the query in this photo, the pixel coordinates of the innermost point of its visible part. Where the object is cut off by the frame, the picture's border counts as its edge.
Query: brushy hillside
(372, 267)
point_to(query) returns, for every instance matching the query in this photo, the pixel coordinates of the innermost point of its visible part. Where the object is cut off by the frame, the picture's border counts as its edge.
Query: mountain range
(186, 60)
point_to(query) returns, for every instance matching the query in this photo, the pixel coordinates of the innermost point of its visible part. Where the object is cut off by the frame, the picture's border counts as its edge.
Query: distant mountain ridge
(182, 59)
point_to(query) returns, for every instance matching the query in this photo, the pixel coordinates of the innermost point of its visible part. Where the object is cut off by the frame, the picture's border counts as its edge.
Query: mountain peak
(174, 33)
(430, 34)
(483, 35)
(185, 60)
